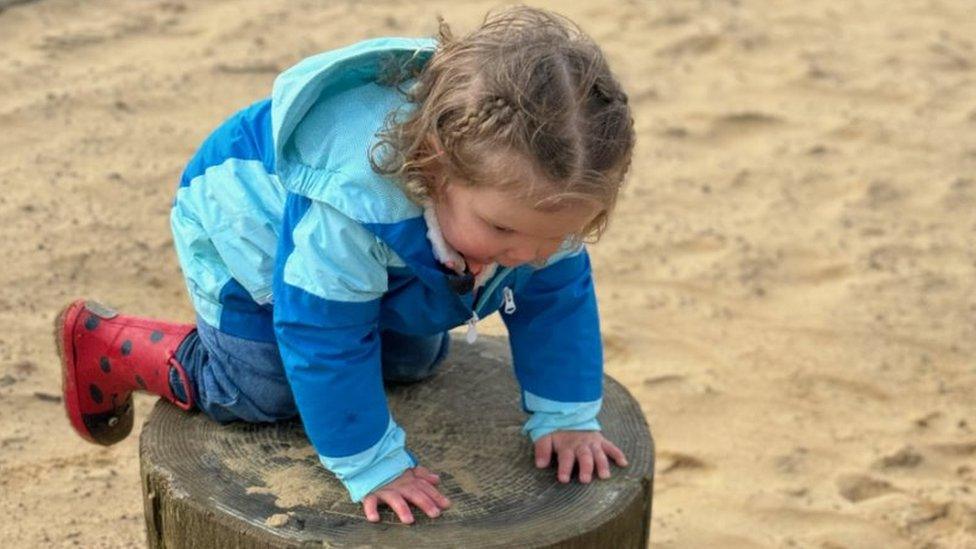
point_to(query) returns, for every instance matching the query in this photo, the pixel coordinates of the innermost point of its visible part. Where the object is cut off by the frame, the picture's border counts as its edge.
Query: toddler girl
(332, 234)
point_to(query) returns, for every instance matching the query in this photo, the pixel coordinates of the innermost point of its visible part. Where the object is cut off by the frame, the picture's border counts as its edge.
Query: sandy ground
(788, 288)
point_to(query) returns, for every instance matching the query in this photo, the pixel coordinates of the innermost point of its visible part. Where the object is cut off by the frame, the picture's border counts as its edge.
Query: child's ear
(435, 176)
(437, 182)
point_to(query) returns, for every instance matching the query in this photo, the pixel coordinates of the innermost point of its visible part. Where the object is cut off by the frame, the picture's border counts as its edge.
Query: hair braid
(491, 116)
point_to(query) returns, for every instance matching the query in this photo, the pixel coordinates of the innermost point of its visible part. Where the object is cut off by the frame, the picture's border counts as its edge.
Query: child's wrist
(535, 433)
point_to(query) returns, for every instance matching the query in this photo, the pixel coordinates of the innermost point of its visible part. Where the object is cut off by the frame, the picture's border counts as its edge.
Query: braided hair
(527, 83)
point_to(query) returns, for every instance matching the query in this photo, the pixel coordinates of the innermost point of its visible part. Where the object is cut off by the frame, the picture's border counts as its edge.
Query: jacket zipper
(472, 334)
(508, 296)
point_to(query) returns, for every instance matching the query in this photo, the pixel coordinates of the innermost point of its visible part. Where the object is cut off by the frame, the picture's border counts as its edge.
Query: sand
(788, 287)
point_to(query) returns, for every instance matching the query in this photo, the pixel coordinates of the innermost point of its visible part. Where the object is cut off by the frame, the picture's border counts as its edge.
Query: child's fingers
(585, 456)
(602, 463)
(398, 504)
(439, 498)
(369, 508)
(566, 460)
(416, 495)
(426, 474)
(543, 452)
(614, 452)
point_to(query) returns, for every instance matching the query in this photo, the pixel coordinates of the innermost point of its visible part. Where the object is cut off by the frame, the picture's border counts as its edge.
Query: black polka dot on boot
(96, 393)
(156, 336)
(92, 322)
(105, 365)
(126, 347)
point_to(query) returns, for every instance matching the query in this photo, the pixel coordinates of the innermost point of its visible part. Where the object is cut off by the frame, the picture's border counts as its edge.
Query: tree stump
(261, 485)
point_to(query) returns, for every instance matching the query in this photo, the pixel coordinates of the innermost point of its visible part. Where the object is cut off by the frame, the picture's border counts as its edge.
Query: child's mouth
(474, 265)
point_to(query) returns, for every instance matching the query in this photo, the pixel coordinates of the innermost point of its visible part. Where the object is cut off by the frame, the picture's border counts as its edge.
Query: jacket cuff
(551, 415)
(372, 468)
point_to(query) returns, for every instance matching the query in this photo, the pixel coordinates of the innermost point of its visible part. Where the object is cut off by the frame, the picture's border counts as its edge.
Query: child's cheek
(458, 237)
(476, 243)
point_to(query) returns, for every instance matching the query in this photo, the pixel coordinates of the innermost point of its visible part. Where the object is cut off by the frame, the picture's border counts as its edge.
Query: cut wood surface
(249, 485)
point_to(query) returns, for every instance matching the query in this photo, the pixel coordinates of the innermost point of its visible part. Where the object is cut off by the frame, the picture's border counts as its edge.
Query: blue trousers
(238, 379)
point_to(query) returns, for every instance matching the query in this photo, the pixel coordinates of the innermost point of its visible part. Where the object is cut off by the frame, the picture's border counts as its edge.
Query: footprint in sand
(662, 379)
(792, 462)
(697, 44)
(960, 194)
(927, 420)
(856, 488)
(670, 462)
(956, 449)
(822, 386)
(905, 458)
(740, 123)
(881, 194)
(722, 127)
(615, 349)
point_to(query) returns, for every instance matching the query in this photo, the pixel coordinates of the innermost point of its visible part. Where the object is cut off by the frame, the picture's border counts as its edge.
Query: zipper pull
(509, 296)
(472, 334)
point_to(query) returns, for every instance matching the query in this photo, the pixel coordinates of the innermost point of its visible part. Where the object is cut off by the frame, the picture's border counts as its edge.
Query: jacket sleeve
(330, 274)
(556, 347)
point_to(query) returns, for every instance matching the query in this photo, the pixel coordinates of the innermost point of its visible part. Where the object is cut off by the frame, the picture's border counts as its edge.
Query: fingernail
(540, 463)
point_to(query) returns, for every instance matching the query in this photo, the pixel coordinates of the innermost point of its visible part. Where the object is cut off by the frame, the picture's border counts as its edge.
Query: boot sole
(69, 389)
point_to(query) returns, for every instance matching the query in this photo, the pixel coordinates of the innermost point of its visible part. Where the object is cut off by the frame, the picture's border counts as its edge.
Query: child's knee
(270, 403)
(243, 380)
(408, 359)
(255, 402)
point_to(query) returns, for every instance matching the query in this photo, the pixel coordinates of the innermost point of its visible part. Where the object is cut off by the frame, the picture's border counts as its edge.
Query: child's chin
(476, 260)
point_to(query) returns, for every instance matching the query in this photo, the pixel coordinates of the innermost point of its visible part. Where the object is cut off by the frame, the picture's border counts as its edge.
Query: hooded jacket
(286, 234)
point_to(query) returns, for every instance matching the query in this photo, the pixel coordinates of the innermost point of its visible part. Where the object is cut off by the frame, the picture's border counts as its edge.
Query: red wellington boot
(104, 357)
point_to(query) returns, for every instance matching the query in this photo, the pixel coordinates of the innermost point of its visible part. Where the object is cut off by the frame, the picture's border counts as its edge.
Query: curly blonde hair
(529, 83)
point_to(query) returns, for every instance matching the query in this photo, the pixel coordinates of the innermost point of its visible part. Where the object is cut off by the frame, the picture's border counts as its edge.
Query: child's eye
(501, 229)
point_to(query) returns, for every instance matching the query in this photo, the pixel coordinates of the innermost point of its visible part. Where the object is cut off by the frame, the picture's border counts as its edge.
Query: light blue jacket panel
(226, 221)
(345, 255)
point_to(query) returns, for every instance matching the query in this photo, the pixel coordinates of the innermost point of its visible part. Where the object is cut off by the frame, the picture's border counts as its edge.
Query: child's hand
(415, 485)
(589, 447)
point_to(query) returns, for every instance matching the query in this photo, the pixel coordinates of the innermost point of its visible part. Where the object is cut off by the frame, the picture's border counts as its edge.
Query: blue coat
(280, 212)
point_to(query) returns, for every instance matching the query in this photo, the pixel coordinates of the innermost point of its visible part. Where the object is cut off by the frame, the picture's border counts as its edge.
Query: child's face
(488, 225)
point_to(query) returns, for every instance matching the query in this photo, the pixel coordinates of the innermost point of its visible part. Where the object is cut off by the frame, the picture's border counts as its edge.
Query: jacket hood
(326, 111)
